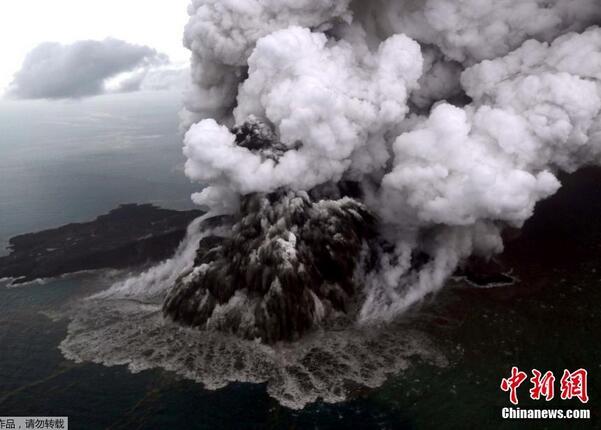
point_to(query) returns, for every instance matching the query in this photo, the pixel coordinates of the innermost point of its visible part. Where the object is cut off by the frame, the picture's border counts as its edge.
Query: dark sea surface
(59, 166)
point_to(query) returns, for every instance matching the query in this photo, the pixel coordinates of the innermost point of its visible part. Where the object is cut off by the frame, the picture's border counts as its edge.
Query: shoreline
(129, 236)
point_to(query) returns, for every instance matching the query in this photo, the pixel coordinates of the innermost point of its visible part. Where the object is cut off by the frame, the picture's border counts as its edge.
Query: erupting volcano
(352, 156)
(286, 262)
(356, 152)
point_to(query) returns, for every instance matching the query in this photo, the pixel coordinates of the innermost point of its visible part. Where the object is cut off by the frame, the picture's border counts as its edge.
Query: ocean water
(35, 379)
(481, 334)
(73, 161)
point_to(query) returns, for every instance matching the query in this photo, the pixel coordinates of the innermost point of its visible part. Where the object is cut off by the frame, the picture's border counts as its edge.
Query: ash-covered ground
(283, 263)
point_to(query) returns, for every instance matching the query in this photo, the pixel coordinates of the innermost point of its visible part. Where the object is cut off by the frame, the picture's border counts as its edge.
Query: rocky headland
(127, 236)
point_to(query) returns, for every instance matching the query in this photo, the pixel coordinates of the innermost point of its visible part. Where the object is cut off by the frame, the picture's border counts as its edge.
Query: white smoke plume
(454, 115)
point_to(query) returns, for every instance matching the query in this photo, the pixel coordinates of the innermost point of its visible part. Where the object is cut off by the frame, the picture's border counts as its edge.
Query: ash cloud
(82, 69)
(453, 117)
(356, 152)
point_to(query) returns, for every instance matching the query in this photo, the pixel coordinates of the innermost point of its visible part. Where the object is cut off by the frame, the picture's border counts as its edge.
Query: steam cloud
(454, 116)
(55, 71)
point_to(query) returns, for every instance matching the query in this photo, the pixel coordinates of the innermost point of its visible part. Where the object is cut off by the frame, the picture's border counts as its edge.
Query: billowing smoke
(451, 119)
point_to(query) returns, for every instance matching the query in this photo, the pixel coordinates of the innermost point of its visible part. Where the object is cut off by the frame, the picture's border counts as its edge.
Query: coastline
(129, 236)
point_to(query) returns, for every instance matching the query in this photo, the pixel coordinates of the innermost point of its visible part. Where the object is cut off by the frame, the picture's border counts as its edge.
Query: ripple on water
(328, 365)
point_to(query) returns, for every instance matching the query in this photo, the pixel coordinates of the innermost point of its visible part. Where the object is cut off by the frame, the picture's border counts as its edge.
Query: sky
(26, 24)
